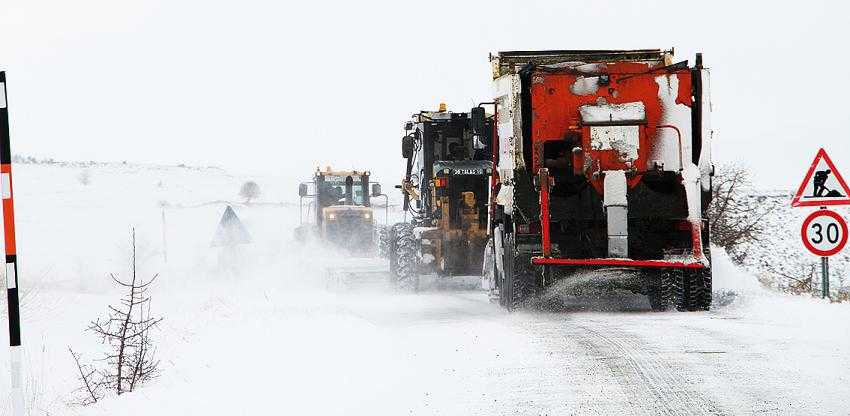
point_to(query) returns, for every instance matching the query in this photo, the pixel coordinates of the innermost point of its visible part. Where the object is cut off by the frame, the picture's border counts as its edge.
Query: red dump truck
(601, 161)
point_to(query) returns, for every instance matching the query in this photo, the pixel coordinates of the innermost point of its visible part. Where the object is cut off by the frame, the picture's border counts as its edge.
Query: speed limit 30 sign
(824, 233)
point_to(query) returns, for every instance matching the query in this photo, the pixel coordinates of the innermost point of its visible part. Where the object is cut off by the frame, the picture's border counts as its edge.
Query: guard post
(11, 269)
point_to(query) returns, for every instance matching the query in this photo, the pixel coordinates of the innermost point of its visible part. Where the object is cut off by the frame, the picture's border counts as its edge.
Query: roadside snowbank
(727, 277)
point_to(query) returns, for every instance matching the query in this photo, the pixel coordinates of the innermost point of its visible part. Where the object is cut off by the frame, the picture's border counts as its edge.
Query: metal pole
(386, 209)
(164, 240)
(824, 266)
(11, 254)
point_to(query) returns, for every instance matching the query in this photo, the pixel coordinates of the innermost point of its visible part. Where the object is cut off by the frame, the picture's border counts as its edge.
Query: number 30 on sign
(824, 233)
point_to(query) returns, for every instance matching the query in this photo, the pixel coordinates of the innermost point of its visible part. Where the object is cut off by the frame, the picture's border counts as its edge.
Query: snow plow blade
(548, 261)
(357, 272)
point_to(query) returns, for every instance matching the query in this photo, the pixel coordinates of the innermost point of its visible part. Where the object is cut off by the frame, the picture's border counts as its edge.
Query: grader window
(333, 190)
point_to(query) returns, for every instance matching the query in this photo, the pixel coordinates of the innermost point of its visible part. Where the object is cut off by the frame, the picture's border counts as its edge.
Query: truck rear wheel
(681, 289)
(669, 291)
(699, 293)
(516, 279)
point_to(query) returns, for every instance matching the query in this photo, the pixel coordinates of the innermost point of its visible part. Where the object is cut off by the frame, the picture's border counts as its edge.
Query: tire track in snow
(653, 382)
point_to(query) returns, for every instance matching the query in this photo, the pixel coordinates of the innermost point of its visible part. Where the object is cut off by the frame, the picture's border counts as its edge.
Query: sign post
(11, 269)
(824, 232)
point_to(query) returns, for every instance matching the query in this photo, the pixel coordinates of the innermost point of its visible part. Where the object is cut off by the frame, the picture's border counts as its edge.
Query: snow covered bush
(250, 190)
(84, 177)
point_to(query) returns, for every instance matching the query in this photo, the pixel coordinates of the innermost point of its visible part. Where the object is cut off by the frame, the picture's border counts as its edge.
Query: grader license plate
(468, 171)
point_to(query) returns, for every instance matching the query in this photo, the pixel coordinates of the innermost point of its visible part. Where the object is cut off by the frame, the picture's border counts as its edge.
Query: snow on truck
(601, 160)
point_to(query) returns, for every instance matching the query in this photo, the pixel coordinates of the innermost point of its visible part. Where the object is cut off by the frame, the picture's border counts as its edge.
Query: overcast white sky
(280, 87)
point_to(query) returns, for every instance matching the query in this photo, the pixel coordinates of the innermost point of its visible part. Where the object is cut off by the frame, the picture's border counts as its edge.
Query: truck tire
(700, 293)
(516, 280)
(669, 291)
(699, 280)
(657, 299)
(699, 290)
(682, 289)
(704, 303)
(506, 275)
(407, 258)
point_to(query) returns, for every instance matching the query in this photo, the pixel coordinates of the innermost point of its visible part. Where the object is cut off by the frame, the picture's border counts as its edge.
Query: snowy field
(265, 335)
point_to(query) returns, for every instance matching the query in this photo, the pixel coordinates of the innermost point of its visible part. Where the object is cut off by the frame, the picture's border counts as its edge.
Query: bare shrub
(736, 213)
(91, 390)
(129, 360)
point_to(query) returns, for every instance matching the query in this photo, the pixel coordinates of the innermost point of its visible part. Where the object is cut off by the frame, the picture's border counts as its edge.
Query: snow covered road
(475, 359)
(455, 353)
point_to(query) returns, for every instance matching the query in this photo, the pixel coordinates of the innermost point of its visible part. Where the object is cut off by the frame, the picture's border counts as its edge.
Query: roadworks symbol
(822, 185)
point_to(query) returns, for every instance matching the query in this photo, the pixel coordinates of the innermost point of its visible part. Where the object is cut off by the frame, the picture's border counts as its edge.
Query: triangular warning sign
(230, 231)
(823, 185)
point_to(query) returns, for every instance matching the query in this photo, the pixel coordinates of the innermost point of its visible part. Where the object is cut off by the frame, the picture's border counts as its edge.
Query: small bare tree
(735, 213)
(250, 190)
(126, 330)
(91, 390)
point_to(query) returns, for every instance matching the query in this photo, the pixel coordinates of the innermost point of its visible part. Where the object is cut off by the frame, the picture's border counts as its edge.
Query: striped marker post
(11, 257)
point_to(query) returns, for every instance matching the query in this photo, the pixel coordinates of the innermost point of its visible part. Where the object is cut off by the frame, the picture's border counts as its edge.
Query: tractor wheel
(392, 256)
(383, 235)
(407, 258)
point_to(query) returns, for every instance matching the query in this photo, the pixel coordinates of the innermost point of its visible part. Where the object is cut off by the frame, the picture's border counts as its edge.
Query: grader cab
(340, 212)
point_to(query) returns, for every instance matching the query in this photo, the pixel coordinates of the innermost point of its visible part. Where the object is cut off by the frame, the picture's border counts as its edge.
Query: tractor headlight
(331, 216)
(367, 215)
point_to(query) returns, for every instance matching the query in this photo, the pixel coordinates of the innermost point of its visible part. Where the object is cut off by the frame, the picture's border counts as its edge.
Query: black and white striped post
(17, 394)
